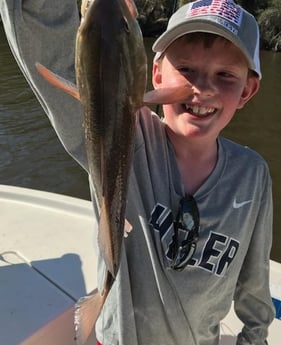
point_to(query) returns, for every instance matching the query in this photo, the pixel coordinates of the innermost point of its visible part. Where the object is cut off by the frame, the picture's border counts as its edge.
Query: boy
(200, 205)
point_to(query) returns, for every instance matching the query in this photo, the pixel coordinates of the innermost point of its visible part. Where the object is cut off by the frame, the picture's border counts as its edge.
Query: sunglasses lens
(183, 257)
(188, 213)
(186, 233)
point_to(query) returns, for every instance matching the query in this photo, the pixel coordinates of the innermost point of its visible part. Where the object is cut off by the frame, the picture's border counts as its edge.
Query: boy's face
(219, 79)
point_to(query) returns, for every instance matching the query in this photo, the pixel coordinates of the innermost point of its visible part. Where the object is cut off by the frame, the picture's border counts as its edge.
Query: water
(32, 156)
(258, 126)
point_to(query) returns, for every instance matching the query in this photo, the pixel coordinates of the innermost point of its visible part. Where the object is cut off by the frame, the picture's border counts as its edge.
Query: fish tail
(87, 310)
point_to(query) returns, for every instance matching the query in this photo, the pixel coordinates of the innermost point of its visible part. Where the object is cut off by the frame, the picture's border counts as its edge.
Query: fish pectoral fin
(127, 228)
(87, 310)
(168, 95)
(57, 81)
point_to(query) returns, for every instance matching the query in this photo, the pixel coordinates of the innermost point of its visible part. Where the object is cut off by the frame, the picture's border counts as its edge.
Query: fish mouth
(199, 110)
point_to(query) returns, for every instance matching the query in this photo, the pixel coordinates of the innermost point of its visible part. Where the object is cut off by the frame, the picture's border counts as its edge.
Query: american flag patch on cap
(226, 9)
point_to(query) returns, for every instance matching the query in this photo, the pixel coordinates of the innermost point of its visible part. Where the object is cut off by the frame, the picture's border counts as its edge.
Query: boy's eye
(185, 70)
(226, 74)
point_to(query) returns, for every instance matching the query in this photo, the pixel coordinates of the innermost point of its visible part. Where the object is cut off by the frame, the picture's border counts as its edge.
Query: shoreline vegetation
(154, 15)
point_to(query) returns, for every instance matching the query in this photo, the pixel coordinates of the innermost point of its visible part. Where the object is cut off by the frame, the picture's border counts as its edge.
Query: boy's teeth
(196, 110)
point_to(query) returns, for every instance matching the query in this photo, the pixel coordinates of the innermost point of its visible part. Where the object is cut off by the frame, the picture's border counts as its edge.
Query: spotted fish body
(111, 80)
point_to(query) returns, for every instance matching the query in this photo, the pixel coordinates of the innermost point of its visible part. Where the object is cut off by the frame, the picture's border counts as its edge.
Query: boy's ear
(252, 87)
(156, 74)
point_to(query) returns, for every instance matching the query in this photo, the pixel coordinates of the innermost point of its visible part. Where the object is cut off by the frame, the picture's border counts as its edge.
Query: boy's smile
(219, 76)
(197, 110)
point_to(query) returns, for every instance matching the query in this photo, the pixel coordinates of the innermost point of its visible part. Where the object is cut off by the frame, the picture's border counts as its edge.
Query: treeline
(268, 15)
(154, 15)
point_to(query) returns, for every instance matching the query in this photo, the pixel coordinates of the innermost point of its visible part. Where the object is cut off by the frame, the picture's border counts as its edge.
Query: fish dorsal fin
(57, 81)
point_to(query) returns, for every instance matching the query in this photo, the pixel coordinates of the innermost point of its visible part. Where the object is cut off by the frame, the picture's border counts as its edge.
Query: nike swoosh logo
(240, 204)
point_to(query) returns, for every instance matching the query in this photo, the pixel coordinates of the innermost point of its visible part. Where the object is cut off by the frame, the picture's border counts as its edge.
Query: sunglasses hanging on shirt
(186, 228)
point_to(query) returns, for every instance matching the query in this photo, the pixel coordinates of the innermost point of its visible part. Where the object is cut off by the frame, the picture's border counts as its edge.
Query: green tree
(270, 26)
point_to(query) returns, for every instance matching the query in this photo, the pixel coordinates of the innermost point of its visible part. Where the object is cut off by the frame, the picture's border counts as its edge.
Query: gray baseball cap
(221, 17)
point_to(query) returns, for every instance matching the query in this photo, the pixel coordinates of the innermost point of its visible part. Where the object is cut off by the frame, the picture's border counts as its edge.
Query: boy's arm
(44, 31)
(252, 300)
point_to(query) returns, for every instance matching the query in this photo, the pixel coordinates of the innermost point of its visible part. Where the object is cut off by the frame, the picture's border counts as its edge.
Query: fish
(111, 78)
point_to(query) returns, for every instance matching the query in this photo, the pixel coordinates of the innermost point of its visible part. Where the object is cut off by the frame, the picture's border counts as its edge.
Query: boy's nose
(203, 85)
